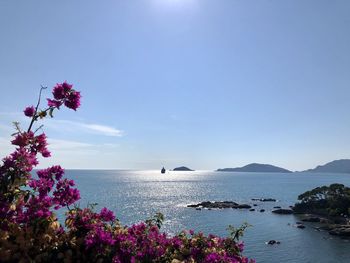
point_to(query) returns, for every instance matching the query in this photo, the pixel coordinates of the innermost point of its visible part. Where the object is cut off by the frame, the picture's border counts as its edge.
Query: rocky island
(182, 168)
(337, 166)
(256, 168)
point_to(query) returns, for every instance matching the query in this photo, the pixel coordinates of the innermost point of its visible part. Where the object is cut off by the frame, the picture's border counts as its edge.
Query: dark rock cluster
(220, 205)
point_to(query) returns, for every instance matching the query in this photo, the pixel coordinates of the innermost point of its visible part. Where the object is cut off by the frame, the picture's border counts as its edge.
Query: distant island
(182, 168)
(256, 168)
(337, 166)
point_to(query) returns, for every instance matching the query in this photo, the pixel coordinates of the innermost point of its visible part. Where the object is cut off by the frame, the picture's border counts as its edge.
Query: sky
(201, 83)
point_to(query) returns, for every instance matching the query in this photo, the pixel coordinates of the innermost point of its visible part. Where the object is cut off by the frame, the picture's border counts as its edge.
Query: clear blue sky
(202, 83)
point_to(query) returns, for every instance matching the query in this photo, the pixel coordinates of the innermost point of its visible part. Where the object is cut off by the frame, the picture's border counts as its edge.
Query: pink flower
(107, 215)
(240, 246)
(54, 103)
(73, 100)
(66, 87)
(64, 195)
(46, 153)
(59, 92)
(212, 257)
(23, 139)
(29, 111)
(64, 93)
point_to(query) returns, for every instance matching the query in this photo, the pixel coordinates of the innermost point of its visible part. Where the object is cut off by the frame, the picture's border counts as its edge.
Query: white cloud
(85, 127)
(102, 129)
(67, 125)
(71, 153)
(55, 144)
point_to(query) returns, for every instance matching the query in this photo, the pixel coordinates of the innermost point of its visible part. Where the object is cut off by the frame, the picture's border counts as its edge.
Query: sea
(137, 195)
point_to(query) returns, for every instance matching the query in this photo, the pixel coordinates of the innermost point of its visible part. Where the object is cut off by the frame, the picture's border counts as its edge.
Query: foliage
(237, 233)
(332, 200)
(31, 232)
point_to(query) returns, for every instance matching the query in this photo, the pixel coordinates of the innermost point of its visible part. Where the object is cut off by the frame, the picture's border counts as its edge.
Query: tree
(332, 200)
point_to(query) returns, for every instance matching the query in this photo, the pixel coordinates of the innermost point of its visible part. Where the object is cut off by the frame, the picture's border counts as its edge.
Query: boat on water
(163, 170)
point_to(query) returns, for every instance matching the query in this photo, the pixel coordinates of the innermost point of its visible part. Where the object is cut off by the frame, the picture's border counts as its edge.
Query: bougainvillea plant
(31, 232)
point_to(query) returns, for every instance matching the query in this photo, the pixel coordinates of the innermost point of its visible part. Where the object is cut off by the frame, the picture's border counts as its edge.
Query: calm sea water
(137, 195)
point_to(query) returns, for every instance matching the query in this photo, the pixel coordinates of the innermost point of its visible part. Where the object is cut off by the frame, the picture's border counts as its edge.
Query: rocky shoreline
(337, 226)
(333, 225)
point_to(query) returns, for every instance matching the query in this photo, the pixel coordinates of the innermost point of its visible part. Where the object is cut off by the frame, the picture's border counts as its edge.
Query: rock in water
(311, 219)
(283, 211)
(341, 230)
(220, 205)
(273, 242)
(264, 199)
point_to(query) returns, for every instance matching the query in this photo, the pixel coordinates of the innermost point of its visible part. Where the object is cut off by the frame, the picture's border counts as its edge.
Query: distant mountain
(337, 166)
(257, 168)
(182, 168)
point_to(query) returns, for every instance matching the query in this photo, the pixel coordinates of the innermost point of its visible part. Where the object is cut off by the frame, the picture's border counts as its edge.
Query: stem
(39, 128)
(36, 109)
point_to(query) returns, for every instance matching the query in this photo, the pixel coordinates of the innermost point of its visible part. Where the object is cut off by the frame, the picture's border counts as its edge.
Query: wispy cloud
(63, 145)
(85, 127)
(56, 144)
(102, 129)
(71, 152)
(67, 125)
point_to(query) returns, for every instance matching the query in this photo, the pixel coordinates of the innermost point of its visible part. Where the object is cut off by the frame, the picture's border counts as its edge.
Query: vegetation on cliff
(332, 200)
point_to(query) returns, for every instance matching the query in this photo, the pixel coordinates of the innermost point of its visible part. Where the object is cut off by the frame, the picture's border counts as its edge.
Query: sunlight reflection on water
(137, 195)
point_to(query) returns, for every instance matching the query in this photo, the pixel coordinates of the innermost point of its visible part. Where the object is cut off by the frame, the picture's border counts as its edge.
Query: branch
(36, 109)
(41, 126)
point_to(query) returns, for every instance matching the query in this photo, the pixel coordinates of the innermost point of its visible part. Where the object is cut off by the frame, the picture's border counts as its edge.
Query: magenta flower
(107, 215)
(99, 239)
(46, 153)
(54, 103)
(64, 93)
(29, 111)
(59, 92)
(240, 246)
(73, 100)
(55, 171)
(213, 257)
(66, 87)
(64, 194)
(23, 139)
